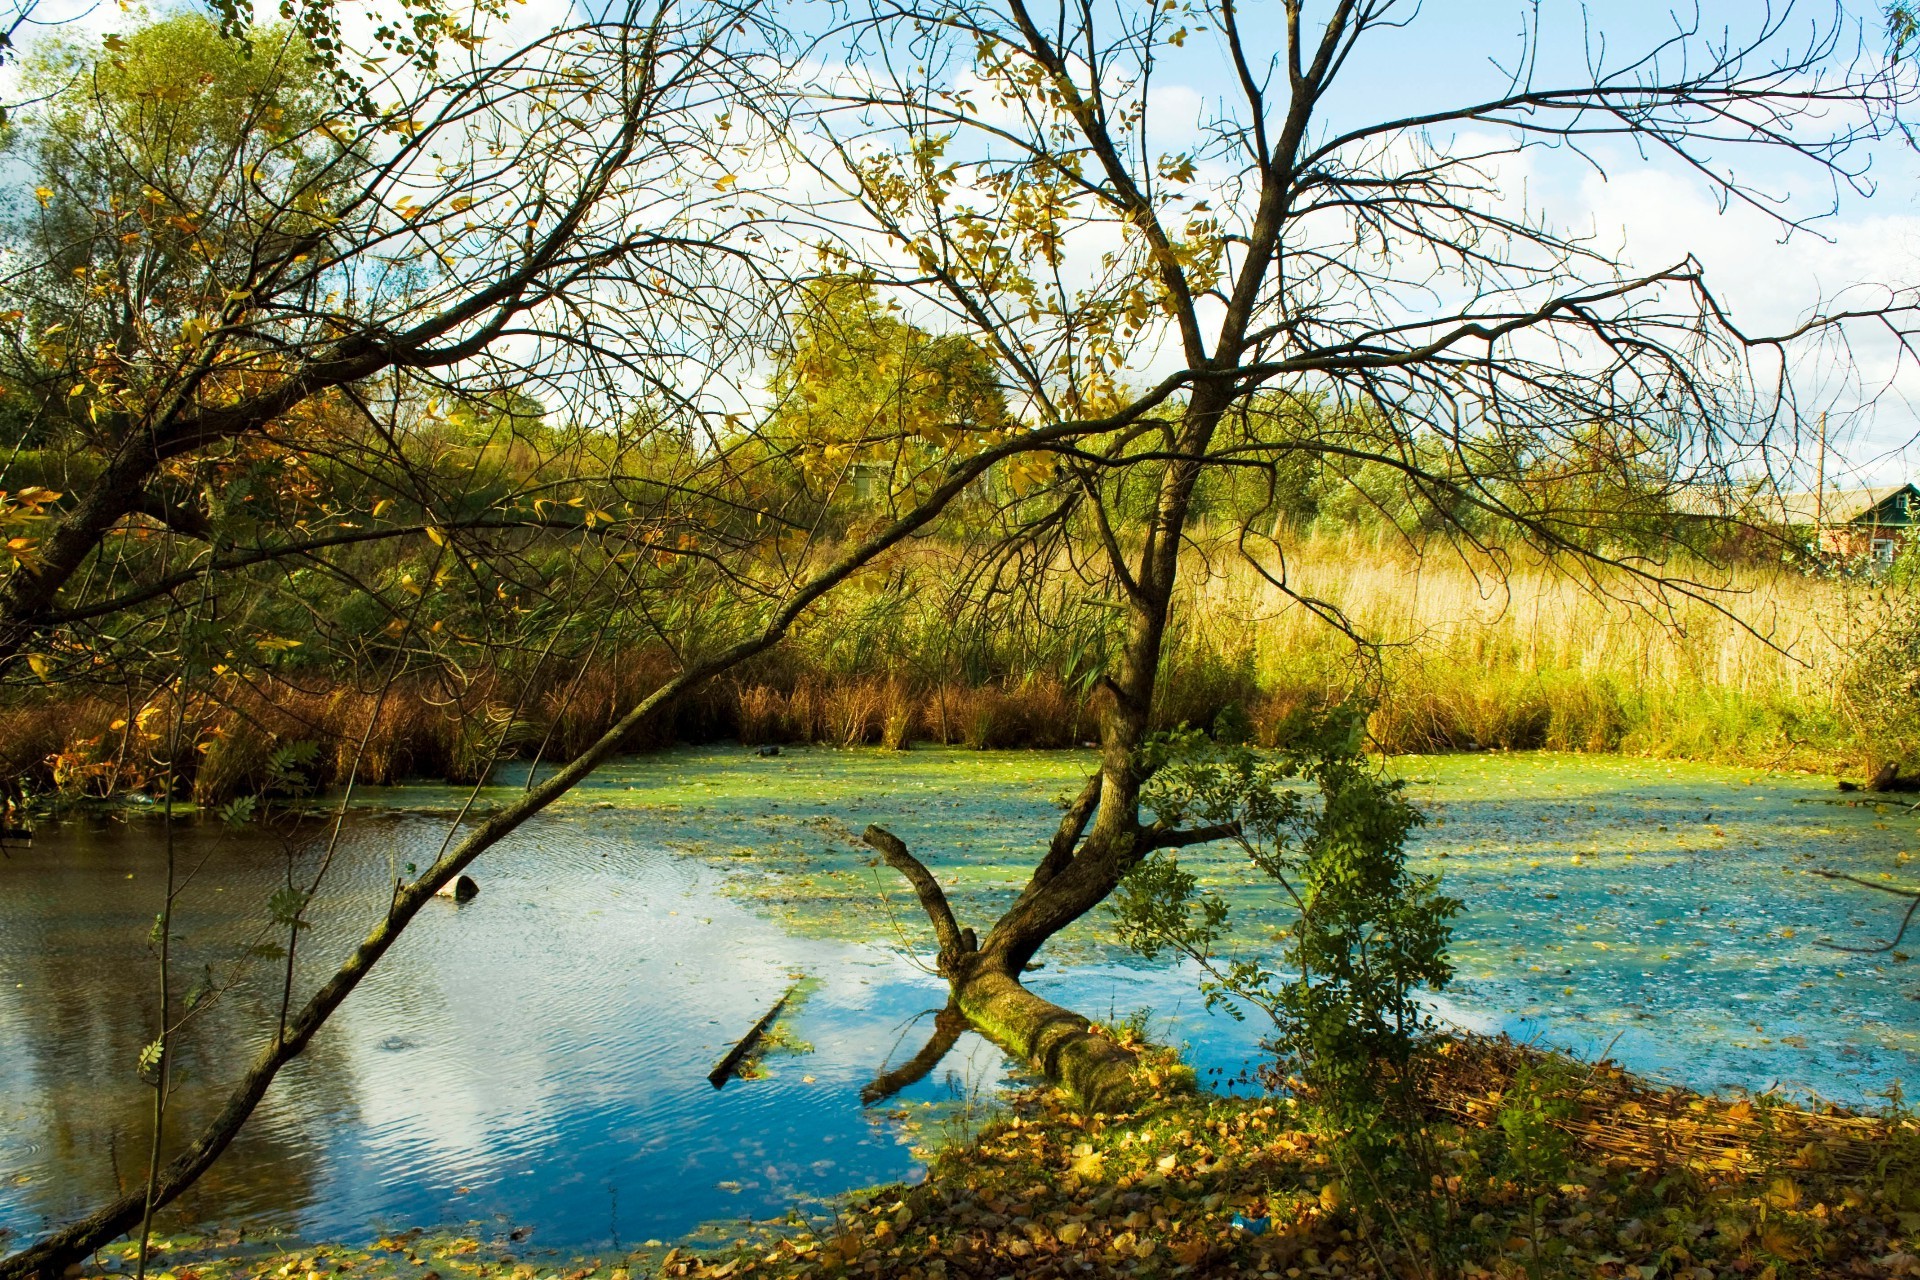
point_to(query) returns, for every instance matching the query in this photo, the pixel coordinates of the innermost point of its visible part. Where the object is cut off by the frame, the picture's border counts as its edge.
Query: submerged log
(461, 889)
(1886, 778)
(725, 1069)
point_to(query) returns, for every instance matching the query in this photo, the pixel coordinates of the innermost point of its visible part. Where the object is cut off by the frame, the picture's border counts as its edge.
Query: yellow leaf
(436, 537)
(725, 183)
(1781, 1245)
(43, 195)
(39, 663)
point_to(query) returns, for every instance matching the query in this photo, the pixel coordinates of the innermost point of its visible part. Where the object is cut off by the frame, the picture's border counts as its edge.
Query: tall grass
(1753, 667)
(1746, 665)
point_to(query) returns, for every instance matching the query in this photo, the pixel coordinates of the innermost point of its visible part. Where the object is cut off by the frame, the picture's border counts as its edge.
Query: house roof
(1847, 506)
(1840, 506)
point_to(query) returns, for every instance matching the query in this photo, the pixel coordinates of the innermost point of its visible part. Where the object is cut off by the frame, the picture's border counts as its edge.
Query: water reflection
(538, 1055)
(949, 1024)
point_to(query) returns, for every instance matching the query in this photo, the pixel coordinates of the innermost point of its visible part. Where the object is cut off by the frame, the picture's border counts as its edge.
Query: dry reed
(1461, 655)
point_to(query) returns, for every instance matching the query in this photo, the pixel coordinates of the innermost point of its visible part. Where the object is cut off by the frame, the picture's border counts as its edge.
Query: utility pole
(1820, 489)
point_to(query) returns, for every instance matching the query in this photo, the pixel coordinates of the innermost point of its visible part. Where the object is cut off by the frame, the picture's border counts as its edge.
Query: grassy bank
(1552, 1168)
(1466, 655)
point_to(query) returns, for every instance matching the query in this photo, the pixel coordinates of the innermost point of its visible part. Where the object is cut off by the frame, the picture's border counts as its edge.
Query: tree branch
(955, 943)
(1906, 921)
(1155, 837)
(183, 520)
(1072, 824)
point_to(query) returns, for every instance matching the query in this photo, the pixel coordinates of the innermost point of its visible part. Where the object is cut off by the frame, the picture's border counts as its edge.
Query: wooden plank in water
(723, 1071)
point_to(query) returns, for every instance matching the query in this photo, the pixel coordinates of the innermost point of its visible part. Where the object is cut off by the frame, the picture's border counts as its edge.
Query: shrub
(1367, 937)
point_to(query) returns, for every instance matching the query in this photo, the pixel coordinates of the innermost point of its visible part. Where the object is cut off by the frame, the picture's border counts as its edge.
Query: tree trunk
(1058, 1043)
(1100, 839)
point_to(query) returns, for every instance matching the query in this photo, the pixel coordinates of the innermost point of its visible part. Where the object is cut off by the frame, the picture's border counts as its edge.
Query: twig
(1906, 921)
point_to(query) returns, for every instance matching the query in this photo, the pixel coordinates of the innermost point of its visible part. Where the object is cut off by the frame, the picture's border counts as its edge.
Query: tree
(212, 285)
(863, 400)
(1293, 245)
(540, 222)
(167, 128)
(859, 374)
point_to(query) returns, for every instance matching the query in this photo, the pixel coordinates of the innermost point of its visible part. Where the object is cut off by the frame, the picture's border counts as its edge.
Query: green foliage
(178, 134)
(239, 811)
(496, 418)
(287, 906)
(1531, 1147)
(165, 169)
(866, 397)
(1368, 935)
(414, 30)
(1903, 27)
(289, 768)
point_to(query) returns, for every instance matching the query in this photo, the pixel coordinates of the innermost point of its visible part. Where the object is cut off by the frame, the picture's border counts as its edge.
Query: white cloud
(1772, 281)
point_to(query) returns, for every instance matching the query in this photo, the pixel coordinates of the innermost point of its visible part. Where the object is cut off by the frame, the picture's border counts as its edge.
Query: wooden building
(1873, 523)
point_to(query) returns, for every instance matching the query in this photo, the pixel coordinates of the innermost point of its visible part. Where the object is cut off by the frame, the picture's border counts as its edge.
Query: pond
(538, 1056)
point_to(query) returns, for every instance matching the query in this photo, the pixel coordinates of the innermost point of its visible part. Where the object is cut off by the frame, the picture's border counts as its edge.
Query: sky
(1662, 213)
(1455, 51)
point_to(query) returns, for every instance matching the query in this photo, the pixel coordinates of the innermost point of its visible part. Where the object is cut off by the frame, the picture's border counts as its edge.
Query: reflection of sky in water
(540, 1054)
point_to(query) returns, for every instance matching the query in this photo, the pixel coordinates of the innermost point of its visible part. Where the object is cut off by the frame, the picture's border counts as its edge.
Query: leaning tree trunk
(1100, 839)
(1060, 1044)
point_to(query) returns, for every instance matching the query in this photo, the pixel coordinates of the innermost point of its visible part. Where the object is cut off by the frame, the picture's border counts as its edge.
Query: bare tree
(1365, 294)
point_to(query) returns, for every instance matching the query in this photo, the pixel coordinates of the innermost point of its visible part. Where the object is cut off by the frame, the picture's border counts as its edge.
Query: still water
(538, 1056)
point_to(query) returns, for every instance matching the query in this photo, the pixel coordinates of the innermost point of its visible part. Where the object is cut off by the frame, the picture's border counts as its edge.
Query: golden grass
(1742, 663)
(1749, 665)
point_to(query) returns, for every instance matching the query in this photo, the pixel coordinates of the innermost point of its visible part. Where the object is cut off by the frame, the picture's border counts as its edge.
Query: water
(538, 1056)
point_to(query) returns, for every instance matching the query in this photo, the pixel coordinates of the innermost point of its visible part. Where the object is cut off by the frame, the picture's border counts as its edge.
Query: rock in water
(460, 889)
